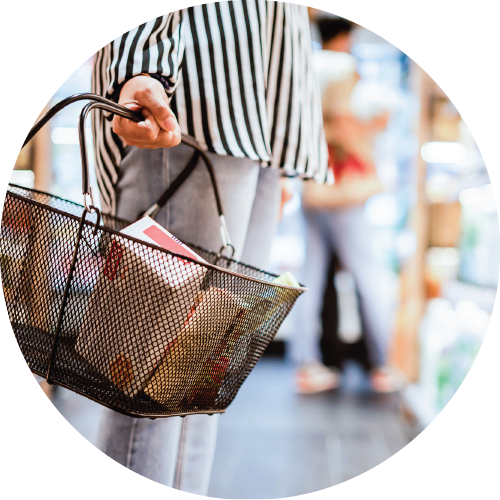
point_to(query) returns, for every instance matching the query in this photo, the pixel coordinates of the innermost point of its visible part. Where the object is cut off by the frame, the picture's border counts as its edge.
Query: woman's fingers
(159, 129)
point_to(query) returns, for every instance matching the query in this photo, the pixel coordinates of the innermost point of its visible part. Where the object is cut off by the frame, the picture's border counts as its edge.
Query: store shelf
(484, 297)
(420, 404)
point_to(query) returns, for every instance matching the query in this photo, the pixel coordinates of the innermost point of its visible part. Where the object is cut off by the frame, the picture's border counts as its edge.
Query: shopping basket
(141, 330)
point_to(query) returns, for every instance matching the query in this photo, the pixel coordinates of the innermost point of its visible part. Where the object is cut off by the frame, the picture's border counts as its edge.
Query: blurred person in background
(354, 112)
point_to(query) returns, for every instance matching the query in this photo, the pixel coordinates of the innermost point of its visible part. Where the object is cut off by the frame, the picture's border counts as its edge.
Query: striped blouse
(240, 81)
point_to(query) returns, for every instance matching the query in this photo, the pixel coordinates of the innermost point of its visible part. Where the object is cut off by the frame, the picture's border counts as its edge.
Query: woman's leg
(142, 445)
(191, 214)
(198, 433)
(174, 451)
(195, 453)
(351, 238)
(305, 341)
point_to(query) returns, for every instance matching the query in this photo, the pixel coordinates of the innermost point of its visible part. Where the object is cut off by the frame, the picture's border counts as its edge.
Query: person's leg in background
(351, 238)
(179, 452)
(311, 375)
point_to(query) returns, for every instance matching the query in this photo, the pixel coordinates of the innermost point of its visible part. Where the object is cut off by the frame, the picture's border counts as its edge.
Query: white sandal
(312, 379)
(385, 380)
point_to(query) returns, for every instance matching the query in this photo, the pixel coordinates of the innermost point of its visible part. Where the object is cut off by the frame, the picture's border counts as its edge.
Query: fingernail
(170, 135)
(169, 123)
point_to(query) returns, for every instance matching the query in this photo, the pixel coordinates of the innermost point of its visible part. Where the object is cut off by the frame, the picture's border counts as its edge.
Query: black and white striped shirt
(240, 82)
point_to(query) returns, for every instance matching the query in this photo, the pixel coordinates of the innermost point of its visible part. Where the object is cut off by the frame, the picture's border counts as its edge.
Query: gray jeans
(345, 232)
(176, 451)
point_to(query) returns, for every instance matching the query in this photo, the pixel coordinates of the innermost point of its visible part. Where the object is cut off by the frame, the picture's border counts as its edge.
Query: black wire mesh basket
(128, 324)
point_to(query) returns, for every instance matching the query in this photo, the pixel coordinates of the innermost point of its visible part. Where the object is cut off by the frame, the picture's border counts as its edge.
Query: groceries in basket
(263, 310)
(205, 389)
(154, 299)
(201, 355)
(287, 279)
(216, 316)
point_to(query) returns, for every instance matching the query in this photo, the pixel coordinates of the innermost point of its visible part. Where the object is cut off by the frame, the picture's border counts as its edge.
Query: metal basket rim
(154, 247)
(38, 191)
(122, 411)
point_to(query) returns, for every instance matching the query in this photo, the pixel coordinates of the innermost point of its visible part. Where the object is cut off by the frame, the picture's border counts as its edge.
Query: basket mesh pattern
(142, 331)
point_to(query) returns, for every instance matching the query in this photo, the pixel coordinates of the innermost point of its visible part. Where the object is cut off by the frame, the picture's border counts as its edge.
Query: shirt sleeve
(293, 97)
(155, 47)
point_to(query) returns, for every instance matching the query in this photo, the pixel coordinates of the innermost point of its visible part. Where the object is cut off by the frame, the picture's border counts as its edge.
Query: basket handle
(117, 109)
(99, 102)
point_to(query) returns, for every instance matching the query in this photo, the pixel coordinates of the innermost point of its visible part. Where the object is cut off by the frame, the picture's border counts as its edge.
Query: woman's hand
(159, 128)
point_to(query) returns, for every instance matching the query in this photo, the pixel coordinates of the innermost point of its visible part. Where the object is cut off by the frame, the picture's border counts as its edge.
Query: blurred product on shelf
(441, 266)
(444, 224)
(446, 120)
(450, 338)
(480, 242)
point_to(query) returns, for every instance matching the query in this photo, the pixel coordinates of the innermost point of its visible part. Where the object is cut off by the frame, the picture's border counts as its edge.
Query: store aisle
(273, 443)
